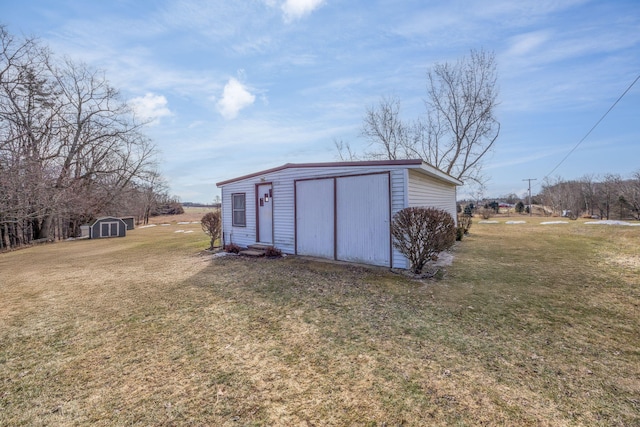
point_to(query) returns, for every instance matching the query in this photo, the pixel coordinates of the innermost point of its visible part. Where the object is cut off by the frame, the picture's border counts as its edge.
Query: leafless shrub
(486, 213)
(420, 234)
(464, 224)
(232, 248)
(211, 224)
(272, 252)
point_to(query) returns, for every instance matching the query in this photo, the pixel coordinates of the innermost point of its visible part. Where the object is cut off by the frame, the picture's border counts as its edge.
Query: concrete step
(255, 250)
(259, 246)
(252, 252)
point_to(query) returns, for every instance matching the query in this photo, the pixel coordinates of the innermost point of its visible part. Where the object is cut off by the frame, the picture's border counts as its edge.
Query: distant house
(107, 227)
(338, 211)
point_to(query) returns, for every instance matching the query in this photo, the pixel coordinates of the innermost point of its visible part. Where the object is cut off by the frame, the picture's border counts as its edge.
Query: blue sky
(234, 87)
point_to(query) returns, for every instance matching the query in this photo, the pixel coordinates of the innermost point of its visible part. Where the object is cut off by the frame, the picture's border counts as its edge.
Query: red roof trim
(325, 164)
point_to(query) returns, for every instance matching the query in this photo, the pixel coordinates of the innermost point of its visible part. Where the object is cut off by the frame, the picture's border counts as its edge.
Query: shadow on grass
(540, 330)
(484, 347)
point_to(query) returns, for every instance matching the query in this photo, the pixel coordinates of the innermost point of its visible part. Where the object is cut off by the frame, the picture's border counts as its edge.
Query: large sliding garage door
(345, 218)
(362, 220)
(315, 218)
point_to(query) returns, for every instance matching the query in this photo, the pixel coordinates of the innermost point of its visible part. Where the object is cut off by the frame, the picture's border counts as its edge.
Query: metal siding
(283, 198)
(362, 220)
(399, 178)
(242, 236)
(424, 190)
(429, 192)
(283, 215)
(129, 222)
(315, 218)
(222, 216)
(283, 202)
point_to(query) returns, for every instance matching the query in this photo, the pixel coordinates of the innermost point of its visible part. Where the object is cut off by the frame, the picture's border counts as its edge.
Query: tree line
(71, 149)
(607, 197)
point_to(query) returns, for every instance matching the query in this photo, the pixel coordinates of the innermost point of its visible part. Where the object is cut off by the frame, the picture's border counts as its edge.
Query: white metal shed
(339, 211)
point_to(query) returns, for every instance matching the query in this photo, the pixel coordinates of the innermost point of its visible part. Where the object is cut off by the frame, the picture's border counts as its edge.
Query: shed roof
(102, 218)
(415, 164)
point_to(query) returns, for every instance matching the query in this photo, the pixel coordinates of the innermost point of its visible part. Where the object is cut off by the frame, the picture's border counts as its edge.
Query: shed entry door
(345, 218)
(264, 196)
(109, 229)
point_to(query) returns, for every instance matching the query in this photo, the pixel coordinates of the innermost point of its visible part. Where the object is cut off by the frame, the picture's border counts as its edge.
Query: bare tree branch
(459, 128)
(70, 149)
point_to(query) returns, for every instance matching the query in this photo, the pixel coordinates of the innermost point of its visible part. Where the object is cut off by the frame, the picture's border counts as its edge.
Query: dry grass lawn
(531, 325)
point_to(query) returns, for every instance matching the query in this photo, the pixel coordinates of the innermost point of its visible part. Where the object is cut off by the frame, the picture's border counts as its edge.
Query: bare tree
(345, 152)
(565, 198)
(608, 193)
(460, 126)
(27, 135)
(588, 189)
(632, 195)
(573, 199)
(629, 197)
(70, 149)
(152, 191)
(461, 122)
(611, 197)
(551, 194)
(385, 131)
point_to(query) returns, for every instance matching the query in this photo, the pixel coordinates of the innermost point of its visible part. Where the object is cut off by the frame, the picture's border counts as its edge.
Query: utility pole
(530, 207)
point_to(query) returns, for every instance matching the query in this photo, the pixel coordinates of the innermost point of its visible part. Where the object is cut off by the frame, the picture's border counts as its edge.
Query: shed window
(239, 209)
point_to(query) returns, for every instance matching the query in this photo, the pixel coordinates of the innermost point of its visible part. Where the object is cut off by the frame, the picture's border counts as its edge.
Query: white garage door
(315, 218)
(356, 230)
(362, 220)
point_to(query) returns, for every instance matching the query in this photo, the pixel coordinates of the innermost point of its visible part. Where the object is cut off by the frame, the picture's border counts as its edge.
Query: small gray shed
(339, 211)
(108, 226)
(130, 221)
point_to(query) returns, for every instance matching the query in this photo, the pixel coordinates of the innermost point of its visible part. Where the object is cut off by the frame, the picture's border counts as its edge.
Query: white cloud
(296, 9)
(235, 97)
(524, 44)
(150, 106)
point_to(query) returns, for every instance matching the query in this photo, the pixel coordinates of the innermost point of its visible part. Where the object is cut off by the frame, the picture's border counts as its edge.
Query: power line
(591, 130)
